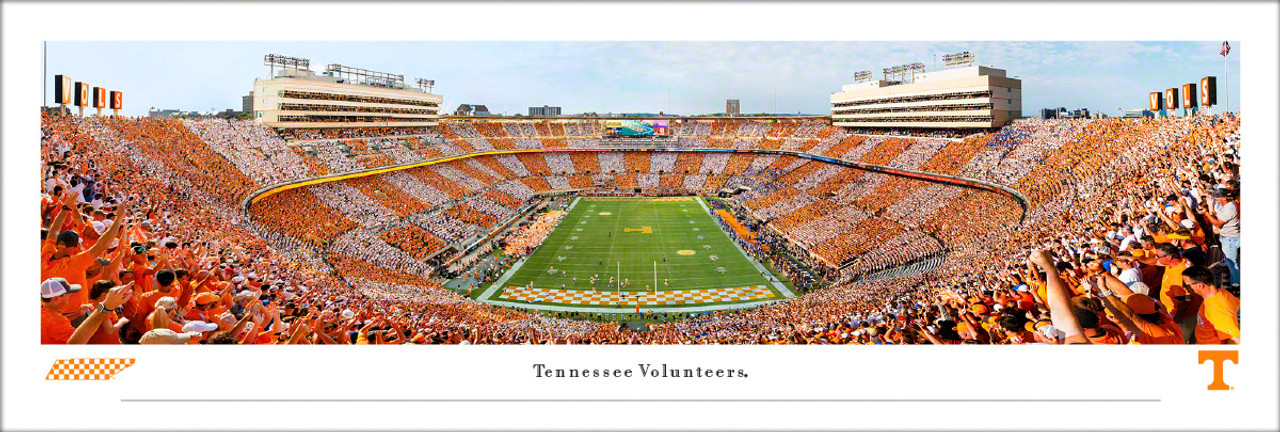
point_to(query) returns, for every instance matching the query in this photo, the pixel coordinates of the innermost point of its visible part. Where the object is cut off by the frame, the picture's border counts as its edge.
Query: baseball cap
(69, 238)
(1042, 323)
(1188, 224)
(165, 336)
(167, 303)
(227, 317)
(199, 326)
(1140, 303)
(99, 227)
(1140, 288)
(54, 287)
(206, 298)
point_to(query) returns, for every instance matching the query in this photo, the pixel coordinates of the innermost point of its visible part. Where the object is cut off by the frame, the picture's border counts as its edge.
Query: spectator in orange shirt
(1181, 303)
(1135, 312)
(62, 258)
(1097, 330)
(56, 329)
(205, 307)
(165, 288)
(1218, 320)
(165, 315)
(109, 331)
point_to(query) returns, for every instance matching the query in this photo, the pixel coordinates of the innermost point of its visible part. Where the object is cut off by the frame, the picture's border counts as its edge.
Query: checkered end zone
(661, 298)
(87, 369)
(663, 199)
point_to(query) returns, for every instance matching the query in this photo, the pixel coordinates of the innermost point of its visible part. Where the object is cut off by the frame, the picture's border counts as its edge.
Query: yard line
(663, 239)
(687, 273)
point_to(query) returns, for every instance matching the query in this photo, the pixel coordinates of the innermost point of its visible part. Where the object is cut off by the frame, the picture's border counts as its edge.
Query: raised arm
(56, 227)
(1058, 300)
(115, 297)
(1210, 216)
(101, 246)
(924, 332)
(974, 325)
(244, 321)
(112, 270)
(1114, 302)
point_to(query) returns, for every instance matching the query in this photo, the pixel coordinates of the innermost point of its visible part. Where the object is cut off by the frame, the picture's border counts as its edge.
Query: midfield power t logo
(1218, 358)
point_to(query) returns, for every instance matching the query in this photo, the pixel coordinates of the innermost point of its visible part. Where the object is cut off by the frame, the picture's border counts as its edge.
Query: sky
(674, 77)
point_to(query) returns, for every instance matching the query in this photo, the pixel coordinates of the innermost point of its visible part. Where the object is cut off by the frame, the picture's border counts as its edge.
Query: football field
(662, 254)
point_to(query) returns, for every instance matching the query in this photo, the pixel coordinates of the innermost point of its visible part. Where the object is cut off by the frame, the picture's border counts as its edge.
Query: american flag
(1226, 49)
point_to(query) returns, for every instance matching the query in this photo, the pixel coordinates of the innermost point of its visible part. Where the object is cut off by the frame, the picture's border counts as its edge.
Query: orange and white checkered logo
(87, 369)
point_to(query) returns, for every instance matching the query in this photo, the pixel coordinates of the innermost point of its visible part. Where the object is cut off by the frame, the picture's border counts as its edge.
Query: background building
(967, 97)
(466, 110)
(210, 114)
(732, 107)
(167, 113)
(1063, 113)
(246, 103)
(340, 98)
(1139, 113)
(544, 111)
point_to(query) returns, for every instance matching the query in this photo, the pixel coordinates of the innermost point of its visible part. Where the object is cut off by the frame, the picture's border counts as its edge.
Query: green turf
(582, 246)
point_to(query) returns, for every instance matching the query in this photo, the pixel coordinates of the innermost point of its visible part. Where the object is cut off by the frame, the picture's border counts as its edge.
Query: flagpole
(1226, 89)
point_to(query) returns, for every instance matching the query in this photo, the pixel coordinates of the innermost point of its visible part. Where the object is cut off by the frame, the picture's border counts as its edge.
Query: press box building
(976, 97)
(302, 99)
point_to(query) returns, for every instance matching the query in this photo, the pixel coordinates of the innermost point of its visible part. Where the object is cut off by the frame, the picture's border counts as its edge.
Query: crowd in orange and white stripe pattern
(1132, 234)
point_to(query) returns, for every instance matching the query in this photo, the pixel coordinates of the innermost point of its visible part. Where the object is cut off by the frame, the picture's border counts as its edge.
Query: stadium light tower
(914, 69)
(891, 73)
(423, 82)
(958, 60)
(900, 73)
(285, 61)
(364, 76)
(861, 76)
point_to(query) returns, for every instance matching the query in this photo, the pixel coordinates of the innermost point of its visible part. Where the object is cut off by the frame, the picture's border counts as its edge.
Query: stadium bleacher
(880, 258)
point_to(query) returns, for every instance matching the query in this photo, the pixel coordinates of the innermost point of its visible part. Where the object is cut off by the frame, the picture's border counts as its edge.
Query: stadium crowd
(1132, 236)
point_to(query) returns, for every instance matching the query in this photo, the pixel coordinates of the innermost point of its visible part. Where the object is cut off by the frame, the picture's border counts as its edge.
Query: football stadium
(926, 208)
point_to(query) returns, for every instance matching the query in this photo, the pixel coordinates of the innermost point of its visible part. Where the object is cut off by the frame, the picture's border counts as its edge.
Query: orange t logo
(1218, 358)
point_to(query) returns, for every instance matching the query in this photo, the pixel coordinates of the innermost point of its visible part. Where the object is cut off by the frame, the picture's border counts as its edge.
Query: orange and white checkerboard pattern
(571, 297)
(82, 369)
